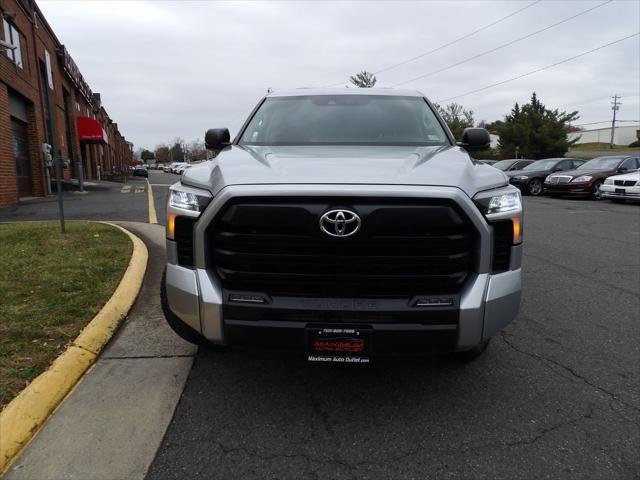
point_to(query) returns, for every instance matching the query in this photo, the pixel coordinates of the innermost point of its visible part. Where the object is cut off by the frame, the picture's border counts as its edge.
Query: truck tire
(182, 329)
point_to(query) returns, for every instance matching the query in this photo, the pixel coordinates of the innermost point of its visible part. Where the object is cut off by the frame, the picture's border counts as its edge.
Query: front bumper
(615, 191)
(578, 189)
(486, 305)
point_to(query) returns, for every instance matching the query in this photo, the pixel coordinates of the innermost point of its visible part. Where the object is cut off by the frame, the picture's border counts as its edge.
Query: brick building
(45, 100)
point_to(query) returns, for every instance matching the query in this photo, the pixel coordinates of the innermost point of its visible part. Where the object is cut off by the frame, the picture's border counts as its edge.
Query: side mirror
(217, 138)
(557, 169)
(475, 139)
(623, 169)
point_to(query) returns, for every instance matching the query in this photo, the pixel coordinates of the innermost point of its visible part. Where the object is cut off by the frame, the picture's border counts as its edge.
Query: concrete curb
(25, 414)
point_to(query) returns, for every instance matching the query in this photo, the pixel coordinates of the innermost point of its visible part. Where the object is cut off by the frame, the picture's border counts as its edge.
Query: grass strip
(51, 286)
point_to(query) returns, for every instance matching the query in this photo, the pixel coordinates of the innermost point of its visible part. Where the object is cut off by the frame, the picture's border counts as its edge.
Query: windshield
(601, 163)
(344, 120)
(504, 164)
(541, 165)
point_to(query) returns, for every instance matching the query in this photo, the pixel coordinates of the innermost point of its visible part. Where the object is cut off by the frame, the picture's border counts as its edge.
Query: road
(557, 395)
(104, 201)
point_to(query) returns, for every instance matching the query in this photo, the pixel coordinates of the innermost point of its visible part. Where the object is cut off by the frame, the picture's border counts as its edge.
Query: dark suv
(531, 177)
(588, 177)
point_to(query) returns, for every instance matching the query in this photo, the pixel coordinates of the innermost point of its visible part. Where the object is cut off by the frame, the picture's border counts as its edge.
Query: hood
(579, 173)
(379, 165)
(627, 176)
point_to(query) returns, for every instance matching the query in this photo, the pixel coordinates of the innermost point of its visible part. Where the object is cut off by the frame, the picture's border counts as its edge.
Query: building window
(12, 36)
(77, 106)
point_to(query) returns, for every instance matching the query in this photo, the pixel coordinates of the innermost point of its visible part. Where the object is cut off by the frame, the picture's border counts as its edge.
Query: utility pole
(615, 106)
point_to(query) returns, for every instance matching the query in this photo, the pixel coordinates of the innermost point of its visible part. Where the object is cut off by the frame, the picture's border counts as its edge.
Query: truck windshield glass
(344, 120)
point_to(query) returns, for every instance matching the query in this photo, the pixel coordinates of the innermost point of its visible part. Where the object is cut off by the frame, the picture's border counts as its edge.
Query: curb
(23, 417)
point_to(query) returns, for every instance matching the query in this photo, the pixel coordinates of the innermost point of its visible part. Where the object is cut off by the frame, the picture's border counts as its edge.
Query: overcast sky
(168, 69)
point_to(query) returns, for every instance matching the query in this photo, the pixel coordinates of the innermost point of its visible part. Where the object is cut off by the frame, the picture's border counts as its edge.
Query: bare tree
(363, 79)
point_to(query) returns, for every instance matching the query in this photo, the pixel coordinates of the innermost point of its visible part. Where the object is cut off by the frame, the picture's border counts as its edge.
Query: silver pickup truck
(344, 224)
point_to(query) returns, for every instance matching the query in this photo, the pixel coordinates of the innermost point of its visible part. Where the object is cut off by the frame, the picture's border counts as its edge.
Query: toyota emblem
(340, 223)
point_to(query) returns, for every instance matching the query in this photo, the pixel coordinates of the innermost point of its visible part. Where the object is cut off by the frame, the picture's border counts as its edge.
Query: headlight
(187, 199)
(501, 202)
(583, 178)
(523, 177)
(548, 179)
(185, 202)
(500, 205)
(609, 181)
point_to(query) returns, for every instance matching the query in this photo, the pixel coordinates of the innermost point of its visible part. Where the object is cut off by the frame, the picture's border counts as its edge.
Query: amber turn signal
(171, 226)
(517, 230)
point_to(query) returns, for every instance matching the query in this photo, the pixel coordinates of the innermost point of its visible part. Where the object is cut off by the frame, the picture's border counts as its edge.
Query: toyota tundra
(344, 224)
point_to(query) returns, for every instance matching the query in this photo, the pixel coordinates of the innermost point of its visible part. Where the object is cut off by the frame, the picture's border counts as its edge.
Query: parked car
(181, 168)
(512, 164)
(140, 171)
(487, 162)
(622, 187)
(339, 223)
(587, 179)
(530, 179)
(166, 168)
(177, 165)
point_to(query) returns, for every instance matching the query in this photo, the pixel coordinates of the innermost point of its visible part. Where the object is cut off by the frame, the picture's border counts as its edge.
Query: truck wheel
(182, 329)
(469, 355)
(535, 187)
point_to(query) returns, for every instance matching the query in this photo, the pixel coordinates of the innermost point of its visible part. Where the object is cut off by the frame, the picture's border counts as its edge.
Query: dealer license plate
(341, 344)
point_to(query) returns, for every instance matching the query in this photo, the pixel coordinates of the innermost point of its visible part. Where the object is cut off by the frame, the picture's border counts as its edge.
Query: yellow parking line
(153, 218)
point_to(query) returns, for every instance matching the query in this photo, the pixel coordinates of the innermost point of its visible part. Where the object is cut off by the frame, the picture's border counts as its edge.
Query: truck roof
(301, 92)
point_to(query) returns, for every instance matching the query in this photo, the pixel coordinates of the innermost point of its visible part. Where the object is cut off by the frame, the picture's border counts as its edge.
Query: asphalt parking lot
(109, 201)
(557, 395)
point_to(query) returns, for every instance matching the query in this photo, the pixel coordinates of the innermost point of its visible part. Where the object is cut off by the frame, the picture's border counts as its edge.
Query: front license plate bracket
(339, 344)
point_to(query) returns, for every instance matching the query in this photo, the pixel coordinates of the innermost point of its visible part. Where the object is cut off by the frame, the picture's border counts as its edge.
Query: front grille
(404, 248)
(183, 237)
(560, 179)
(502, 241)
(624, 183)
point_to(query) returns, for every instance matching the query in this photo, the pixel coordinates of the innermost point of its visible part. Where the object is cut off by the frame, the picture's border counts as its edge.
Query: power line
(500, 47)
(605, 121)
(409, 60)
(546, 67)
(596, 99)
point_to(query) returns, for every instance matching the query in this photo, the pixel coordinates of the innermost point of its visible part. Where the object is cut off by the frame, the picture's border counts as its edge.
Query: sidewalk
(111, 425)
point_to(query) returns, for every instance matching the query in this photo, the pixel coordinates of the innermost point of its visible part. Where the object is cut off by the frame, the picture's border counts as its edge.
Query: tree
(197, 150)
(146, 155)
(176, 153)
(536, 131)
(162, 153)
(457, 118)
(363, 79)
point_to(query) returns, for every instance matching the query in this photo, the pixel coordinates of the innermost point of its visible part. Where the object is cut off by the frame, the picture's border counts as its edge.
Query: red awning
(90, 131)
